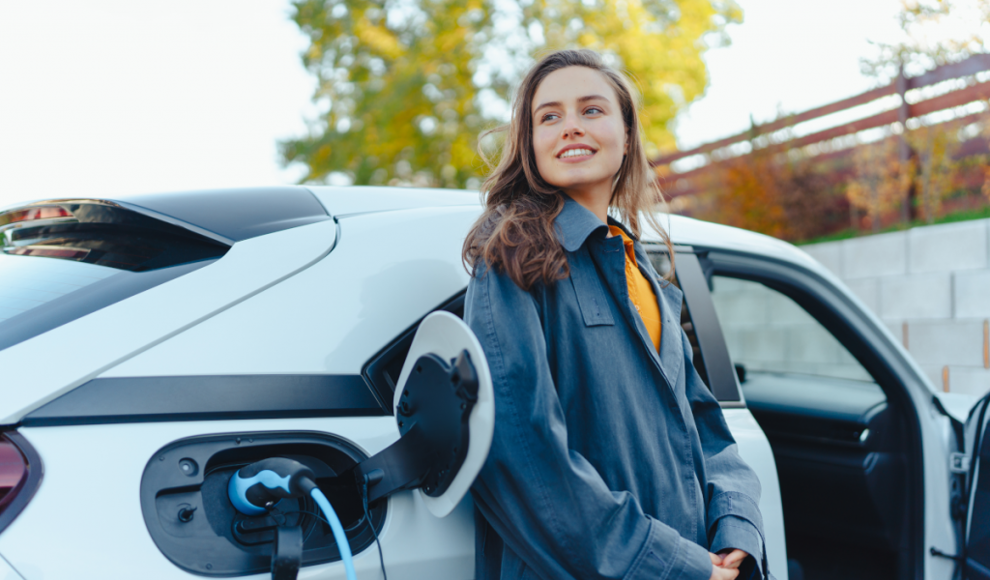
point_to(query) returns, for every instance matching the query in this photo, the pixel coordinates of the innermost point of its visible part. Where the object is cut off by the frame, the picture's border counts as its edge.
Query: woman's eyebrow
(580, 100)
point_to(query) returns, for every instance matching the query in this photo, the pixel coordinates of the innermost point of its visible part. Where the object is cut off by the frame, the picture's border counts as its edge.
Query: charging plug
(256, 488)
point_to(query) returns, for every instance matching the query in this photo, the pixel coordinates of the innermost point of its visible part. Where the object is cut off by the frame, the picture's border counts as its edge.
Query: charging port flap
(445, 411)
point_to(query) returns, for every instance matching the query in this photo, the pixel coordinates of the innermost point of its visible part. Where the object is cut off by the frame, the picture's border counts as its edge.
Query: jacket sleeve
(547, 502)
(733, 490)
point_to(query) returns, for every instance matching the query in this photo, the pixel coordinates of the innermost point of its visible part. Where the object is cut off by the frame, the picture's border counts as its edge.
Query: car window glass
(62, 260)
(767, 331)
(38, 294)
(30, 282)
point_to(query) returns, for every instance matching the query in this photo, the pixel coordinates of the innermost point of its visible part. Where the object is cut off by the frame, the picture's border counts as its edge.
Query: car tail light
(20, 474)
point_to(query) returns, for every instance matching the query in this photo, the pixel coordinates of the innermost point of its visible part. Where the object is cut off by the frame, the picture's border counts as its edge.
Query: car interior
(841, 447)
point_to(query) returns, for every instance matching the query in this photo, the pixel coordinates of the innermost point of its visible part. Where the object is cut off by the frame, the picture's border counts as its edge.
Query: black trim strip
(235, 214)
(714, 353)
(208, 398)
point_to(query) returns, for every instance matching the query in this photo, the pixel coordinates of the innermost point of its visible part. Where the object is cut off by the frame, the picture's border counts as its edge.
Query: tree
(774, 191)
(408, 85)
(935, 146)
(881, 181)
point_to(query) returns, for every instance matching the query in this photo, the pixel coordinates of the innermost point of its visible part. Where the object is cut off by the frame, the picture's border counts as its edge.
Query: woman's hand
(719, 572)
(732, 558)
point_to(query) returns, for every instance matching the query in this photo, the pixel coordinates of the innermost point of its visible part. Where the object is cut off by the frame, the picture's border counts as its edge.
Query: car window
(62, 260)
(767, 331)
(29, 283)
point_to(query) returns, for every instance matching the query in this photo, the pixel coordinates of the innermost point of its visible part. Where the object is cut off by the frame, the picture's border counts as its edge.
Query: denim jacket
(609, 459)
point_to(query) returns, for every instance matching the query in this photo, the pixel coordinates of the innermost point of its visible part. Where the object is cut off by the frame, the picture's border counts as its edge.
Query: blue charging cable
(338, 531)
(259, 486)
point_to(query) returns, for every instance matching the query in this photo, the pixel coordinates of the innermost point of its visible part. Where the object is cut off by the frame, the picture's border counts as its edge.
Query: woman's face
(578, 133)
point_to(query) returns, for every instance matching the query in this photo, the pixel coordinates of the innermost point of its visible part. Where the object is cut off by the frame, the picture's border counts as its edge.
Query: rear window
(62, 260)
(27, 283)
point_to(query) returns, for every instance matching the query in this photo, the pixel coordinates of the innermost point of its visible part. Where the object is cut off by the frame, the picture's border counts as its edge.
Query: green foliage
(956, 216)
(408, 85)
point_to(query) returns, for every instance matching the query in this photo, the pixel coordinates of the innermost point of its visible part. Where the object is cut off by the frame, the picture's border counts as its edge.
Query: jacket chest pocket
(588, 289)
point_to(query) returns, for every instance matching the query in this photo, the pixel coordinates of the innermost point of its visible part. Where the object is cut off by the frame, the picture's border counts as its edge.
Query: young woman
(611, 458)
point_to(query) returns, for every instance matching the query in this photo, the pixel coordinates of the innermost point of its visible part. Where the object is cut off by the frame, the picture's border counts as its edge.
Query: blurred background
(857, 129)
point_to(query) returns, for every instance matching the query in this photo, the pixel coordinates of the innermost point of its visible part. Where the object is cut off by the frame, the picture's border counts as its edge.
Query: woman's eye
(549, 117)
(593, 111)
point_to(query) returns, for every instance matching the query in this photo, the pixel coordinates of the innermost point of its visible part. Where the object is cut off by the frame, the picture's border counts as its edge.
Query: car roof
(255, 211)
(343, 201)
(224, 215)
(354, 200)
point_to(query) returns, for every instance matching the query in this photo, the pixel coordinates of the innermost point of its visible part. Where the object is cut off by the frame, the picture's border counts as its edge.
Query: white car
(151, 346)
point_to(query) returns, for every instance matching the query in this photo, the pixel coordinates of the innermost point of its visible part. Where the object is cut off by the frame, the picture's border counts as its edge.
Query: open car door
(976, 552)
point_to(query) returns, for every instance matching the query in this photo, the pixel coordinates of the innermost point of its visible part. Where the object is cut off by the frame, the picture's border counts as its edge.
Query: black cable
(367, 516)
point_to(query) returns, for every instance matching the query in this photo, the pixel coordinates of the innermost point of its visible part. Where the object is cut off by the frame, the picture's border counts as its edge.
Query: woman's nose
(573, 129)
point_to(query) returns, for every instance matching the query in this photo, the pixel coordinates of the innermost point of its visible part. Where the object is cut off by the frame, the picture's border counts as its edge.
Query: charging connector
(256, 488)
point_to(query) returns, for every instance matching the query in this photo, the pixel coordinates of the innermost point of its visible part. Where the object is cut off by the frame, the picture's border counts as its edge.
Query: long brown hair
(516, 232)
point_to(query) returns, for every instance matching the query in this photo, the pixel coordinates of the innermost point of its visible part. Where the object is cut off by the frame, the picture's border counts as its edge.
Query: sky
(120, 97)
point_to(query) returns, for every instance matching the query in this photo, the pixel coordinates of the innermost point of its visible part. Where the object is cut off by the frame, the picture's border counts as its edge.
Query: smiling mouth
(575, 153)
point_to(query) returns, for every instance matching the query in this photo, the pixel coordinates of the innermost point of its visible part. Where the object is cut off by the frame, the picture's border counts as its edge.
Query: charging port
(187, 511)
(445, 414)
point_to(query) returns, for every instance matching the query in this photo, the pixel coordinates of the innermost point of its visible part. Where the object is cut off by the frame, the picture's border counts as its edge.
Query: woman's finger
(716, 559)
(733, 559)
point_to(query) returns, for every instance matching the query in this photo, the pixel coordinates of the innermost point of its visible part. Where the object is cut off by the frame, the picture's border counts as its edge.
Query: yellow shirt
(640, 291)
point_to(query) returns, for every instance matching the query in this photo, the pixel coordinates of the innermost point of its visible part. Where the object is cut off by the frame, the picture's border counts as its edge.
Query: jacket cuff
(739, 534)
(668, 556)
(733, 503)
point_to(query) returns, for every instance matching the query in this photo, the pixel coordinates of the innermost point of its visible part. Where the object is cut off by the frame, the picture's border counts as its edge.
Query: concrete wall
(931, 286)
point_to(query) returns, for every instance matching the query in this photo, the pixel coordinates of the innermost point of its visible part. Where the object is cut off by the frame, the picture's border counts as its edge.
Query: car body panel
(7, 572)
(349, 201)
(389, 269)
(105, 338)
(100, 475)
(755, 451)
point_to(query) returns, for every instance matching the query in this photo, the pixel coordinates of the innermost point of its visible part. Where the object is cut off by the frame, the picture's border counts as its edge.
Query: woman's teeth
(576, 153)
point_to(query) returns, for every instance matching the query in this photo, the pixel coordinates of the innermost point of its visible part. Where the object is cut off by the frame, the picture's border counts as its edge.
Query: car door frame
(719, 370)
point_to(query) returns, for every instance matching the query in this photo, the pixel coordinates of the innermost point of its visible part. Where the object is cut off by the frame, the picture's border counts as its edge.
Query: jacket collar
(575, 223)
